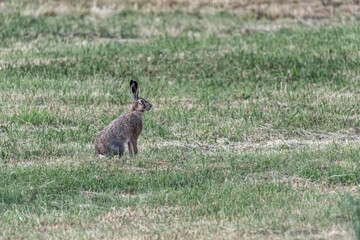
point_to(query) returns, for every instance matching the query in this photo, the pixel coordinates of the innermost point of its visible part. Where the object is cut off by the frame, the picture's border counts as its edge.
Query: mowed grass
(253, 134)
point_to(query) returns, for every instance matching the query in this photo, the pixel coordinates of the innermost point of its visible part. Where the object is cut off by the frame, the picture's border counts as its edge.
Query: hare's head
(139, 104)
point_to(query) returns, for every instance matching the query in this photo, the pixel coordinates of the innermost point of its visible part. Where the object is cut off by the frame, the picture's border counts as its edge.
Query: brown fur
(112, 139)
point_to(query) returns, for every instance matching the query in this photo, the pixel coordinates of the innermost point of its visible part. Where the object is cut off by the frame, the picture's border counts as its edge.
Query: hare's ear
(134, 89)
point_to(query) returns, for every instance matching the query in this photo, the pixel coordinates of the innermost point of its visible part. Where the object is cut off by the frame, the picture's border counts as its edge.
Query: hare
(124, 130)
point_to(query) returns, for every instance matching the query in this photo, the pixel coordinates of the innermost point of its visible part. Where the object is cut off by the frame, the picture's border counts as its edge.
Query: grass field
(254, 131)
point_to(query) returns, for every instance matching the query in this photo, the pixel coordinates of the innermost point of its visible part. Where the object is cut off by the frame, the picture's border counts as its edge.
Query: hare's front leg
(134, 143)
(130, 147)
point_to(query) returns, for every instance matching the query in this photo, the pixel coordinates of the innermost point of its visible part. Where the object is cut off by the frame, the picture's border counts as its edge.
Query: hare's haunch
(124, 130)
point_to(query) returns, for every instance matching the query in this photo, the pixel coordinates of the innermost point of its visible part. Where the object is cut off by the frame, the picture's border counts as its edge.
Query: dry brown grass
(258, 8)
(279, 144)
(113, 226)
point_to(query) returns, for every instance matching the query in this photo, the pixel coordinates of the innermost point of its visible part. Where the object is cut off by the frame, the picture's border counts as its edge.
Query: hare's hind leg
(116, 148)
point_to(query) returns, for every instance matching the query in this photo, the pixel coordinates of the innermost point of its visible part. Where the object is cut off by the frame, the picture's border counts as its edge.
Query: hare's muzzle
(149, 107)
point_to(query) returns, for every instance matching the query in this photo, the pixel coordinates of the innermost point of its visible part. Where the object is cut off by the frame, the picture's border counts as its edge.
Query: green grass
(252, 135)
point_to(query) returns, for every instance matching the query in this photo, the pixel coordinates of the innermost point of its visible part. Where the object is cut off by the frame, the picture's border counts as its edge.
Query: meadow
(254, 131)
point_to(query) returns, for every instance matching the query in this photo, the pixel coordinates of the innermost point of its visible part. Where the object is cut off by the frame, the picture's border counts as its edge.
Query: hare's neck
(139, 114)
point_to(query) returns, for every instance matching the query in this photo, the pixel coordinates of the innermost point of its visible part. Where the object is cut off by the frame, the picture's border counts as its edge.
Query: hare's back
(121, 127)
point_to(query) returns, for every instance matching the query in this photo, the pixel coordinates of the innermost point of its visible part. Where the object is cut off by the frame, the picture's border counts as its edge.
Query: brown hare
(124, 130)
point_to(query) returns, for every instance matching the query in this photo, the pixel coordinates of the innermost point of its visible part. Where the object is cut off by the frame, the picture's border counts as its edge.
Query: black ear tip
(133, 82)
